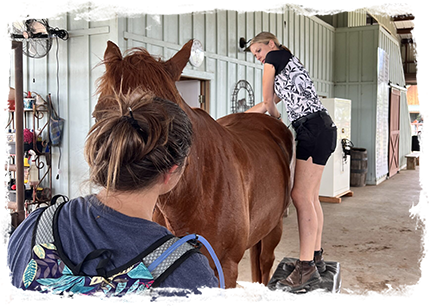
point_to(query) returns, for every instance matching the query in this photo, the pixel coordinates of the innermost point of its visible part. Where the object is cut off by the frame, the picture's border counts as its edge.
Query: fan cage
(36, 36)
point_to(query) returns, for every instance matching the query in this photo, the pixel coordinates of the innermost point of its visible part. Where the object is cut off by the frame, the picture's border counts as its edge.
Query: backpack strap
(162, 261)
(44, 230)
(180, 246)
(166, 255)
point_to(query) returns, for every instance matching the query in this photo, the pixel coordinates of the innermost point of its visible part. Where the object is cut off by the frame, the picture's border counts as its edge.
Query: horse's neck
(205, 137)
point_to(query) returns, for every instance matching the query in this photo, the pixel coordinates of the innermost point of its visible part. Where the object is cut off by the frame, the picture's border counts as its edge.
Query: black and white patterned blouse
(293, 85)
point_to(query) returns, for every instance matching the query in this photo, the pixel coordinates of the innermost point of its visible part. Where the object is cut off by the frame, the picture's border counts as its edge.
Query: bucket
(358, 167)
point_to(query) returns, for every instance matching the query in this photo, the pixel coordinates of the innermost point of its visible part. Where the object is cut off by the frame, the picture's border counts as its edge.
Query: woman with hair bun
(285, 79)
(107, 242)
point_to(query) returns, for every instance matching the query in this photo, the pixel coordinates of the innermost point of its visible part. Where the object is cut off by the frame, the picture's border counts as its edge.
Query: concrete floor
(371, 234)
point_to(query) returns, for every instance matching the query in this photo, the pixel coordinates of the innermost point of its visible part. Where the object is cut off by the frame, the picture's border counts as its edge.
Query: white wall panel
(231, 36)
(392, 47)
(199, 26)
(219, 31)
(135, 10)
(72, 87)
(171, 18)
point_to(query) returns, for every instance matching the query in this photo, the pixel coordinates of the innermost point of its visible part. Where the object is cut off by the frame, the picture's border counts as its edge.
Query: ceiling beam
(404, 31)
(413, 41)
(420, 78)
(403, 18)
(391, 3)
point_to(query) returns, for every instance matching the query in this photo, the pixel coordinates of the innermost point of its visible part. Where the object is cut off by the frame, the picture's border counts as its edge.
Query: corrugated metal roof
(417, 11)
(411, 19)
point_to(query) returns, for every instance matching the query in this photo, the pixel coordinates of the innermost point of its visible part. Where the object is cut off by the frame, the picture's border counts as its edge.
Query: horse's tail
(255, 259)
(288, 149)
(262, 254)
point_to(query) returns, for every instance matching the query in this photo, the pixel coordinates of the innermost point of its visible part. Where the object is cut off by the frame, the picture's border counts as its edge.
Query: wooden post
(19, 123)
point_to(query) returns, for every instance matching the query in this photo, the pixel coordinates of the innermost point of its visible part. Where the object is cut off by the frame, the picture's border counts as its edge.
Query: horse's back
(258, 128)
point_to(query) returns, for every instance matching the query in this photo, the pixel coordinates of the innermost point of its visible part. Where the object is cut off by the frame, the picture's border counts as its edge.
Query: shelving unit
(18, 204)
(44, 157)
(36, 118)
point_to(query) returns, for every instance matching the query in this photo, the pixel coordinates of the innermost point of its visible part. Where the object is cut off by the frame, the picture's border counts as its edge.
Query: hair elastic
(135, 124)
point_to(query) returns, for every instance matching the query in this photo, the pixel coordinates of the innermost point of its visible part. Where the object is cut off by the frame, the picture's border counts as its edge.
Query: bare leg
(305, 196)
(309, 213)
(320, 219)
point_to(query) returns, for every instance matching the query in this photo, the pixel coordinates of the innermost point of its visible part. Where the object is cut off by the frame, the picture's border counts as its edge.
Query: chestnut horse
(236, 185)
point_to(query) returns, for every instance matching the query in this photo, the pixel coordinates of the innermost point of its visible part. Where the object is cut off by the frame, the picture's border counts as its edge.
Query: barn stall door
(195, 92)
(394, 131)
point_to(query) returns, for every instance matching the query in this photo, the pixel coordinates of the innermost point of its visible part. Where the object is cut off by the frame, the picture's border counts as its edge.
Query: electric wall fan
(36, 36)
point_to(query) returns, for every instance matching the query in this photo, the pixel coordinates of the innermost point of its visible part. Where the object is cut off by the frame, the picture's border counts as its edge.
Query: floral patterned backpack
(49, 269)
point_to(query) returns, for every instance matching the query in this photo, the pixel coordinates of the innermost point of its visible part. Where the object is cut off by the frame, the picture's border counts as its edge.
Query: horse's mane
(138, 69)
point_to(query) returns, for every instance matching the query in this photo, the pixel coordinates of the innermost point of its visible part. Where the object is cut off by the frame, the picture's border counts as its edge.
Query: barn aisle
(371, 234)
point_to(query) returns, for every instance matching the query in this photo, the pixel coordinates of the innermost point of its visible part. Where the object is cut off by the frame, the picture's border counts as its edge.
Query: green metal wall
(352, 13)
(356, 78)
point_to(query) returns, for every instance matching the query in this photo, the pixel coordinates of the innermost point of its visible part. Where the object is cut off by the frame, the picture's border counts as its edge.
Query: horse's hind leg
(262, 255)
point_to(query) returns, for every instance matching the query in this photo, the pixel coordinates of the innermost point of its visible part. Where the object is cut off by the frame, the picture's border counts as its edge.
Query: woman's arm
(268, 90)
(270, 98)
(258, 108)
(5, 293)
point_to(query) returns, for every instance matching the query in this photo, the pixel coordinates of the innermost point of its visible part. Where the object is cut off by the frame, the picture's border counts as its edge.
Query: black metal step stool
(327, 293)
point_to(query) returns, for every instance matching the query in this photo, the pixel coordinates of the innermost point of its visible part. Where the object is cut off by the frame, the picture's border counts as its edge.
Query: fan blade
(31, 50)
(37, 48)
(18, 23)
(37, 28)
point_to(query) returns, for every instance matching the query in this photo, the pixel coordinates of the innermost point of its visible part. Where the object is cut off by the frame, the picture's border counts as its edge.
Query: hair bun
(136, 137)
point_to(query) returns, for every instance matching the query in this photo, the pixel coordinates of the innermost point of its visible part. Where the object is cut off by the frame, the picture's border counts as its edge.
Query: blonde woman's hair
(136, 138)
(265, 37)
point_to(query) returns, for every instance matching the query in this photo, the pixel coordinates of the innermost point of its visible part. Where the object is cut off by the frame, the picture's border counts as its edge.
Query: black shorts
(316, 137)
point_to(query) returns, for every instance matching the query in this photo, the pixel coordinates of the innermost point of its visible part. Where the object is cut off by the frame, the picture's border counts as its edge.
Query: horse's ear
(177, 63)
(112, 52)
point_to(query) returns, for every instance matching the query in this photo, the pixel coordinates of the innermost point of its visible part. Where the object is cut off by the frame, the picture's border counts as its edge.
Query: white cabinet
(336, 175)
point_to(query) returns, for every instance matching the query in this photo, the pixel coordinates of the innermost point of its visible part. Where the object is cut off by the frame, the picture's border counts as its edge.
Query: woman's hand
(258, 108)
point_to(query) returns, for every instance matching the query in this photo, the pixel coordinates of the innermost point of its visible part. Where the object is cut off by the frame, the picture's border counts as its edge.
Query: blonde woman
(285, 79)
